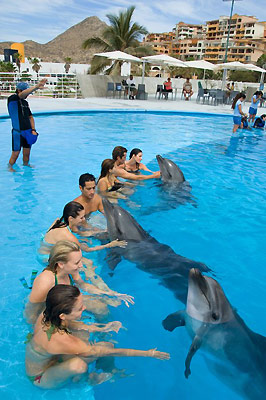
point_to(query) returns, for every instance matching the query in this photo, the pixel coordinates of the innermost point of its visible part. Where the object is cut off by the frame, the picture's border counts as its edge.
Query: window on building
(248, 31)
(253, 32)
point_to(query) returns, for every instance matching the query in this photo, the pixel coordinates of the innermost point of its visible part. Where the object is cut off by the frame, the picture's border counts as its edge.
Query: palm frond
(95, 42)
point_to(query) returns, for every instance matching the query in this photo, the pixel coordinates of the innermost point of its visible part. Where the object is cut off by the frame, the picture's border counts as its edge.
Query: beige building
(247, 40)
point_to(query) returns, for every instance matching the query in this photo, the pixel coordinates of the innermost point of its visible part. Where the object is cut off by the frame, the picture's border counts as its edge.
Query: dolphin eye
(215, 316)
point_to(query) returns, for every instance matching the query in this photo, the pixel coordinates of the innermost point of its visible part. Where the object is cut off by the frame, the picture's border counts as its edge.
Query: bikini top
(116, 186)
(72, 283)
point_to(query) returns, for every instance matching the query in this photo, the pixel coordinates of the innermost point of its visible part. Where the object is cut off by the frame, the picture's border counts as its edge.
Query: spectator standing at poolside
(187, 90)
(23, 125)
(131, 87)
(238, 112)
(167, 88)
(255, 101)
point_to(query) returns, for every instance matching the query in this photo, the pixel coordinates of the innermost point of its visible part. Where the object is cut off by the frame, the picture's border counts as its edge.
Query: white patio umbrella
(119, 55)
(161, 59)
(253, 67)
(201, 64)
(235, 65)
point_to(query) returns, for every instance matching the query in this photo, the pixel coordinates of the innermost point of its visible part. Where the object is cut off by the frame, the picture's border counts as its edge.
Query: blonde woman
(65, 262)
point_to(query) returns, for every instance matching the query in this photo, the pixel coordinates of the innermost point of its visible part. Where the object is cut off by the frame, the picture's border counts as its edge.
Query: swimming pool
(224, 229)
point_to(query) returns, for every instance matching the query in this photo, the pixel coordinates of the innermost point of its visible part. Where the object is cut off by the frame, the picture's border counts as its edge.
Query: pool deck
(44, 104)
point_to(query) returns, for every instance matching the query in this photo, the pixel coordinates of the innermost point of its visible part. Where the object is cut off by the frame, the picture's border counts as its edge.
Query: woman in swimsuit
(61, 229)
(134, 163)
(108, 185)
(54, 355)
(65, 262)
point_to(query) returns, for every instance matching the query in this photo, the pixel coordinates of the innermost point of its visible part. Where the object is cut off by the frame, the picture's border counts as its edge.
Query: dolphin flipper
(195, 345)
(174, 320)
(113, 259)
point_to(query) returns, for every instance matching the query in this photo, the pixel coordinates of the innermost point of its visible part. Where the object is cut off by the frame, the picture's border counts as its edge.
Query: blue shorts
(19, 141)
(237, 120)
(252, 111)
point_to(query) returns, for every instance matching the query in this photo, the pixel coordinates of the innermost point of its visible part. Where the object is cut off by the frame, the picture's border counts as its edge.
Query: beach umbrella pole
(143, 72)
(224, 78)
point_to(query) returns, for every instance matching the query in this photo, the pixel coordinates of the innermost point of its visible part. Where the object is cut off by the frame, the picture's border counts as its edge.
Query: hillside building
(247, 40)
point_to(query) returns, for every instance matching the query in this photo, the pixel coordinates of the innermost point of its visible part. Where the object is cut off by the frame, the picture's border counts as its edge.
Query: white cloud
(22, 20)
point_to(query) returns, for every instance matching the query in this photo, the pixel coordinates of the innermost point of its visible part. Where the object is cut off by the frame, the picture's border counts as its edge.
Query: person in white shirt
(238, 112)
(255, 101)
(131, 87)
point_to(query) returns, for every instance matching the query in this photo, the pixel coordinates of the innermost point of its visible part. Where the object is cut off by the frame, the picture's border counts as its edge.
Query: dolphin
(238, 355)
(147, 253)
(170, 172)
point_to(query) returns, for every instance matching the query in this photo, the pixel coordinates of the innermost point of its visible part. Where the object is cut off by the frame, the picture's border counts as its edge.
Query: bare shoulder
(41, 286)
(79, 200)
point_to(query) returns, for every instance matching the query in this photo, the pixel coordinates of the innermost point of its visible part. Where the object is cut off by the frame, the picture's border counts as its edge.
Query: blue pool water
(223, 227)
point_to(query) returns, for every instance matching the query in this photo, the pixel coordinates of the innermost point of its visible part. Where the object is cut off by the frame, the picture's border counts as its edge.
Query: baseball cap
(22, 86)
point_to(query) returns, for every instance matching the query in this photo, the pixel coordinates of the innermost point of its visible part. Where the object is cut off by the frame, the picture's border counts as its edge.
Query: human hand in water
(158, 354)
(126, 298)
(112, 326)
(157, 174)
(118, 243)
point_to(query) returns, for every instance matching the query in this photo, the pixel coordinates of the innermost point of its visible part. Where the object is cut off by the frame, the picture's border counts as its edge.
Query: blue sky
(42, 20)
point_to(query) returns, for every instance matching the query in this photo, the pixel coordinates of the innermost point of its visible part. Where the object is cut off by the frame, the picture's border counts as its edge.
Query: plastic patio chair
(119, 89)
(159, 90)
(202, 95)
(141, 94)
(110, 88)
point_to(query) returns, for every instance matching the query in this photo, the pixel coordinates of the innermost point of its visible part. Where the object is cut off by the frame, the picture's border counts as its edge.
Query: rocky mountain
(67, 44)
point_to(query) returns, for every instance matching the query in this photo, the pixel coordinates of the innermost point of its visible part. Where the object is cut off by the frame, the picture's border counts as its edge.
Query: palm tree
(18, 58)
(35, 64)
(123, 35)
(67, 64)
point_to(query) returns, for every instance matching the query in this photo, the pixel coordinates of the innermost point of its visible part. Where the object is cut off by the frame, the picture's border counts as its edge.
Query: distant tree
(261, 60)
(18, 58)
(68, 61)
(123, 35)
(35, 64)
(244, 76)
(7, 67)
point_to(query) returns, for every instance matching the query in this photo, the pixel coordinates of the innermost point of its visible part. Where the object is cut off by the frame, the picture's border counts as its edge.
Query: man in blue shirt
(23, 126)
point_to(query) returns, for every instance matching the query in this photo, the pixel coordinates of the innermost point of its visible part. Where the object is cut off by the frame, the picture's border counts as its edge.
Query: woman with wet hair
(65, 263)
(54, 355)
(134, 163)
(108, 185)
(62, 229)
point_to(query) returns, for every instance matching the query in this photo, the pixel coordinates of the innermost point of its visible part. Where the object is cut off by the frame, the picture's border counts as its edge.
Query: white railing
(58, 85)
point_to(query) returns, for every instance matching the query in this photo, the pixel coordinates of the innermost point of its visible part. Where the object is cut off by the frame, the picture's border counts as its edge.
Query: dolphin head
(170, 172)
(206, 300)
(121, 225)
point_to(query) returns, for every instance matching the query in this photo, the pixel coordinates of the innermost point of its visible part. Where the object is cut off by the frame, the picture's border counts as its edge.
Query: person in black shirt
(23, 126)
(260, 122)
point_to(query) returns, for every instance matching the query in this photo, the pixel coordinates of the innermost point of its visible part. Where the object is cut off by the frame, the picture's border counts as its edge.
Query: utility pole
(227, 40)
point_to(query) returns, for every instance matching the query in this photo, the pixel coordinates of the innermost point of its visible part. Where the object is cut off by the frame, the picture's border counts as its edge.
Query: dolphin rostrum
(147, 253)
(238, 355)
(170, 172)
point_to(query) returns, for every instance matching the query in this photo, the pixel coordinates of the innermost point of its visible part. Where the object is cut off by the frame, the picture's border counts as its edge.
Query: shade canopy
(119, 55)
(164, 59)
(255, 68)
(235, 65)
(201, 64)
